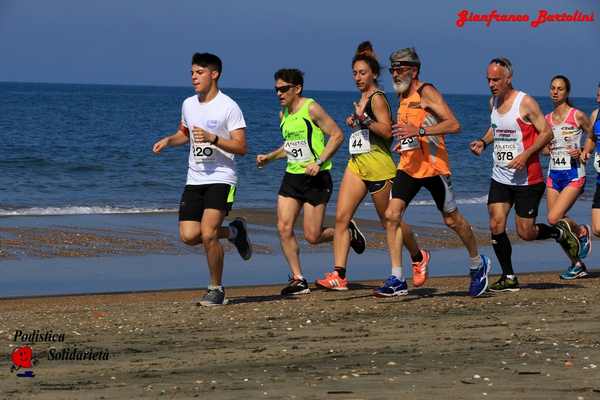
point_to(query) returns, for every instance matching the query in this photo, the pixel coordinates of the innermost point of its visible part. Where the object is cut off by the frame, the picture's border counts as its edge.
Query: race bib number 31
(297, 151)
(359, 142)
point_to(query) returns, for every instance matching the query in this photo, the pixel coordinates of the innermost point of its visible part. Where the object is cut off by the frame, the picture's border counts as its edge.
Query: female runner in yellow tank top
(370, 169)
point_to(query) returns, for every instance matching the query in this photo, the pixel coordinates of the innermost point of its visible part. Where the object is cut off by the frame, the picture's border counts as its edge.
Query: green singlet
(304, 140)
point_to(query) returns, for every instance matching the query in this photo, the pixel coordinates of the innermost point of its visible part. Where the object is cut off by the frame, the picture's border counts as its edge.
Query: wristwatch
(422, 131)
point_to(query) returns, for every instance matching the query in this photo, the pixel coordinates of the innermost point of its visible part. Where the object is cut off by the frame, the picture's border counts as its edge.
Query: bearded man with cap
(423, 119)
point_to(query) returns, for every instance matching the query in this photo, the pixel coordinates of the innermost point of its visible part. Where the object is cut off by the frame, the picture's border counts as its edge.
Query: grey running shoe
(214, 297)
(241, 241)
(295, 286)
(505, 285)
(567, 240)
(357, 239)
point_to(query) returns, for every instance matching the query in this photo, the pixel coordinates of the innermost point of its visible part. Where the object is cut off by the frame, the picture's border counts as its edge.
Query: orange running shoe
(332, 281)
(420, 269)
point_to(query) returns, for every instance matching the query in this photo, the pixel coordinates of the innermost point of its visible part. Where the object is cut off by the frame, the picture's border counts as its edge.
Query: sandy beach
(539, 343)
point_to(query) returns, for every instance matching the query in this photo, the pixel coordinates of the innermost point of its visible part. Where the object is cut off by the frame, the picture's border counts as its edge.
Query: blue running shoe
(574, 272)
(391, 287)
(585, 242)
(479, 278)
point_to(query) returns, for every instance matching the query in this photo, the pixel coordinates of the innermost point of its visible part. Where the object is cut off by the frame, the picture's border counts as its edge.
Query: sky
(150, 42)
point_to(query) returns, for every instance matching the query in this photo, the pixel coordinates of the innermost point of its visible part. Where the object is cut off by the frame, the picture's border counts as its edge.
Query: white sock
(211, 287)
(397, 272)
(476, 262)
(510, 277)
(232, 232)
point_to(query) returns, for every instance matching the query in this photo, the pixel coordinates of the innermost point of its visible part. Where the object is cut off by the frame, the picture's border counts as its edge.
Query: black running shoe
(241, 241)
(214, 297)
(295, 286)
(505, 285)
(357, 239)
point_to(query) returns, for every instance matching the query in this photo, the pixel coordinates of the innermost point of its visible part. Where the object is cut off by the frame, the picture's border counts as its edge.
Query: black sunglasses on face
(398, 70)
(283, 89)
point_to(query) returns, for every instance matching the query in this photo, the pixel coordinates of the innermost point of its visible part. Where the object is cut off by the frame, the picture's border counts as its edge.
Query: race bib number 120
(204, 153)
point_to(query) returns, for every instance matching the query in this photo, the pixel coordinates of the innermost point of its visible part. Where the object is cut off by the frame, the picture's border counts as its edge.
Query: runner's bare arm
(590, 141)
(180, 137)
(264, 159)
(477, 146)
(434, 101)
(329, 127)
(383, 126)
(530, 110)
(236, 144)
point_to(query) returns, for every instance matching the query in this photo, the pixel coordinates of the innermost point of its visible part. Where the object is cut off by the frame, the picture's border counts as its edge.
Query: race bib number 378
(504, 153)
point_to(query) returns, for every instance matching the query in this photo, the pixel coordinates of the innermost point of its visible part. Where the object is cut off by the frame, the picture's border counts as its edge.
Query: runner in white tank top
(512, 136)
(518, 132)
(566, 173)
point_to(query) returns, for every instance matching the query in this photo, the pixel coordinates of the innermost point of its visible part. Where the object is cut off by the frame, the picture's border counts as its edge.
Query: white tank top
(567, 135)
(512, 136)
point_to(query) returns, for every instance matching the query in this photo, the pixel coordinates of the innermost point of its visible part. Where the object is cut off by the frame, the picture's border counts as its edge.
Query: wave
(472, 200)
(78, 210)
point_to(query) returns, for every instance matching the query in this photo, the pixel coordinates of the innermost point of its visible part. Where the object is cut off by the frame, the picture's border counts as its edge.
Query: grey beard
(402, 87)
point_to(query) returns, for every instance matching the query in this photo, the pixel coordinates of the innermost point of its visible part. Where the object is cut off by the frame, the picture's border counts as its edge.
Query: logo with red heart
(22, 358)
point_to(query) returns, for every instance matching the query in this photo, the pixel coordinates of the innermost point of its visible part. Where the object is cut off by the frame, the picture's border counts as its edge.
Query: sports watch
(422, 131)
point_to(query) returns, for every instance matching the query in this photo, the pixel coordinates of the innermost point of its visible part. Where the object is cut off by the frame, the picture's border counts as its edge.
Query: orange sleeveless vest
(431, 159)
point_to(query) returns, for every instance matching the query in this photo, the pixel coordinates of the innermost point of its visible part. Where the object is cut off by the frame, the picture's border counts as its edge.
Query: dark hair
(291, 75)
(364, 52)
(567, 86)
(208, 60)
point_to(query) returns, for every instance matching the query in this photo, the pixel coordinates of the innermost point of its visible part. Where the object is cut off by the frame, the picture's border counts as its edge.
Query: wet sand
(540, 343)
(73, 241)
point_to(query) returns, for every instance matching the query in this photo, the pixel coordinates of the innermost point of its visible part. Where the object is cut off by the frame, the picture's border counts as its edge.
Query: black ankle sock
(341, 271)
(503, 251)
(547, 232)
(417, 257)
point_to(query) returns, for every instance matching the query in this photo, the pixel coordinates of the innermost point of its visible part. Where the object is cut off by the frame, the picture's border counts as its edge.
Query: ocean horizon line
(225, 88)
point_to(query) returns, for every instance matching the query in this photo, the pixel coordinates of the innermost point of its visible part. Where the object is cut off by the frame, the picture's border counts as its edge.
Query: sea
(87, 149)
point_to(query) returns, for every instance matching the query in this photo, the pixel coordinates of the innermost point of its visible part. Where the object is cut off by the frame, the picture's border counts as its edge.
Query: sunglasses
(398, 70)
(283, 89)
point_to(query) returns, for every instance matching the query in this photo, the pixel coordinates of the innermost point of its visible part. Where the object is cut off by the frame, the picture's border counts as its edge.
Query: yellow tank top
(377, 164)
(431, 157)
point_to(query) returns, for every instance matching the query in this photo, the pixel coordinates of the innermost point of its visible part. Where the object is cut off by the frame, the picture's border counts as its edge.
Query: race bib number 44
(204, 153)
(359, 142)
(297, 151)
